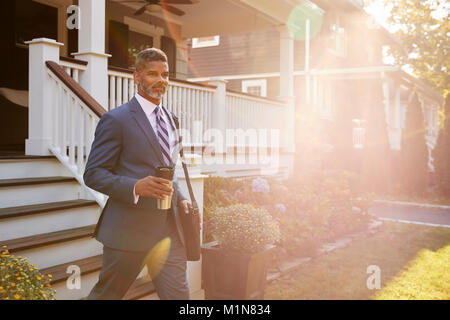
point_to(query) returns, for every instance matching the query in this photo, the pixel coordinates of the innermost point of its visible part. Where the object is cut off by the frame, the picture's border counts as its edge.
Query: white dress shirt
(148, 107)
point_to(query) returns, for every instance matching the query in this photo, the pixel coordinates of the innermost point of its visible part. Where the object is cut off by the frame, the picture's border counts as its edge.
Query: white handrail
(74, 126)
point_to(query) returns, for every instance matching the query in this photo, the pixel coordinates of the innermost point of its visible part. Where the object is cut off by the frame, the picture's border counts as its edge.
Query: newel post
(91, 48)
(40, 95)
(219, 114)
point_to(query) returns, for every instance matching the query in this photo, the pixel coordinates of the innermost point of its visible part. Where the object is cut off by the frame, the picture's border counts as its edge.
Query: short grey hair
(147, 55)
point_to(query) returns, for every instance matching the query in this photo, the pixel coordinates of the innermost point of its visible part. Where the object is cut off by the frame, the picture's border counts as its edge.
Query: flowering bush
(244, 228)
(309, 209)
(260, 185)
(22, 281)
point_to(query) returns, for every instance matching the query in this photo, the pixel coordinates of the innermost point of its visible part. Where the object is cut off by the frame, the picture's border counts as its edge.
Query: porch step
(90, 269)
(38, 190)
(31, 181)
(87, 265)
(20, 211)
(5, 156)
(30, 220)
(55, 248)
(31, 166)
(46, 239)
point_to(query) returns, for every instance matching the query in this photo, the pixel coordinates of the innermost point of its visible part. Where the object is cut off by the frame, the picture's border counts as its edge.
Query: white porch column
(287, 85)
(219, 114)
(91, 46)
(40, 95)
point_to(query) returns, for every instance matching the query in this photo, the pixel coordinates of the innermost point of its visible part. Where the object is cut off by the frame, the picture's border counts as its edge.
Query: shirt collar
(146, 105)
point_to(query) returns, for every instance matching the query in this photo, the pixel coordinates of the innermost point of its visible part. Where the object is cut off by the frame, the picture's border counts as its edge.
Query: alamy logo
(74, 280)
(374, 280)
(73, 19)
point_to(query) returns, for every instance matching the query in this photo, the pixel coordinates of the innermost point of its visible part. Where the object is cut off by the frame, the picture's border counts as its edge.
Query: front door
(21, 20)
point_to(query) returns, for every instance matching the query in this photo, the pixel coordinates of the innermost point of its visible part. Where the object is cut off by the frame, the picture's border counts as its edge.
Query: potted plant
(236, 267)
(22, 281)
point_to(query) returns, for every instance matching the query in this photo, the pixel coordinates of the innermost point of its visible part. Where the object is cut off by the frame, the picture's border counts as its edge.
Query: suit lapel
(142, 120)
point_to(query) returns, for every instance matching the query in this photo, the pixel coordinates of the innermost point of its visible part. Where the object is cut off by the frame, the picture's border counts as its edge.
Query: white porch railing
(73, 131)
(250, 112)
(190, 102)
(358, 137)
(73, 67)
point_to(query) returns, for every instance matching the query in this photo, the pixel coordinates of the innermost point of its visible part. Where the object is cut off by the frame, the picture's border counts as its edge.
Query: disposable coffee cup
(165, 173)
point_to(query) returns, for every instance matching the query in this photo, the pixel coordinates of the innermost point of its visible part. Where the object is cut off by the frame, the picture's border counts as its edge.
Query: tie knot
(157, 110)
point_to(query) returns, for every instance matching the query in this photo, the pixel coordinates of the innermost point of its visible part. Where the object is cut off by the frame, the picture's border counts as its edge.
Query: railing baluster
(75, 74)
(80, 151)
(112, 92)
(131, 91)
(119, 91)
(72, 123)
(125, 90)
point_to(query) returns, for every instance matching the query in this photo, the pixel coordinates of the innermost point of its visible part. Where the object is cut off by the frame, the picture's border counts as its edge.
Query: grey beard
(148, 91)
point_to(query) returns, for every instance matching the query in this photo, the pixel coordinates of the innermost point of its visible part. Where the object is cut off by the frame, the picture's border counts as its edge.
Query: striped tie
(163, 135)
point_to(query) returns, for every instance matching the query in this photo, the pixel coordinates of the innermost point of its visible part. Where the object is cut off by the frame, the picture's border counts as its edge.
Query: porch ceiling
(215, 17)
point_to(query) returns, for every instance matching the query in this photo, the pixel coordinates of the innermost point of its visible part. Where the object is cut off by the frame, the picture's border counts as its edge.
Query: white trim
(202, 43)
(262, 83)
(300, 73)
(416, 222)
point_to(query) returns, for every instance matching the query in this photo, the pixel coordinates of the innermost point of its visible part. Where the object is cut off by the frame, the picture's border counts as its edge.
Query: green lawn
(414, 263)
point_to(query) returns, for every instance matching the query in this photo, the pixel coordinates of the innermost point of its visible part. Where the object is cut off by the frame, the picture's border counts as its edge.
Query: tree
(442, 154)
(424, 32)
(414, 152)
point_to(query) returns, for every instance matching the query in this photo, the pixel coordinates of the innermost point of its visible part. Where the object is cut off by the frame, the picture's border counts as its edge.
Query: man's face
(153, 80)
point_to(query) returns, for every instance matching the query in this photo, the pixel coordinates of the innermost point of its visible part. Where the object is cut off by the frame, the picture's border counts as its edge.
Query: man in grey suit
(130, 142)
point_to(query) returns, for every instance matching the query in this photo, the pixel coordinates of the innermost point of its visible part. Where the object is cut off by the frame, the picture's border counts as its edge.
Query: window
(338, 39)
(136, 43)
(255, 87)
(205, 42)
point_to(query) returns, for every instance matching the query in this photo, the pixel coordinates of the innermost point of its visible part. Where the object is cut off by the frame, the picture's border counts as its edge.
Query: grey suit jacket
(126, 149)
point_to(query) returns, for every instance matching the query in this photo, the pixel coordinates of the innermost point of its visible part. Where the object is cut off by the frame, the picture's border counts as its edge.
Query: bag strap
(185, 170)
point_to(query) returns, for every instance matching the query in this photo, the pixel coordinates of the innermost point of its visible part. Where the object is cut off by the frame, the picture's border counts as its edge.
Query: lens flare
(157, 257)
(297, 21)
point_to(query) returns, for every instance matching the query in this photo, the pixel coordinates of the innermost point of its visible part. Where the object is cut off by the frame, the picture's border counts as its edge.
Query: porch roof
(213, 17)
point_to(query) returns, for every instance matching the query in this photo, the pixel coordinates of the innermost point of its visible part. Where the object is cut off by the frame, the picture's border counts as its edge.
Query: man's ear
(137, 78)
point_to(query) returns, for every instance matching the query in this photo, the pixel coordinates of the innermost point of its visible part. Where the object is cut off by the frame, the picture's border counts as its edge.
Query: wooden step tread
(44, 207)
(140, 287)
(87, 265)
(31, 181)
(40, 240)
(23, 157)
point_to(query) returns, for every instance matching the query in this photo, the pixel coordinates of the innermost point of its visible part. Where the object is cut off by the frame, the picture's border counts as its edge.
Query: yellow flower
(16, 296)
(39, 278)
(19, 278)
(50, 276)
(4, 247)
(13, 284)
(44, 295)
(7, 276)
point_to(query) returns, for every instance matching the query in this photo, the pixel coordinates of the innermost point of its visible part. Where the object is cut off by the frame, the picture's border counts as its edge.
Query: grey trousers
(166, 264)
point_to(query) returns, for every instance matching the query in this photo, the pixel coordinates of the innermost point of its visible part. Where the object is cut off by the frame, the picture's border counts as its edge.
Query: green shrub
(22, 281)
(244, 228)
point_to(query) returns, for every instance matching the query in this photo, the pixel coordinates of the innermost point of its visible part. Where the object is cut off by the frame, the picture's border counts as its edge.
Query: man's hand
(186, 204)
(153, 187)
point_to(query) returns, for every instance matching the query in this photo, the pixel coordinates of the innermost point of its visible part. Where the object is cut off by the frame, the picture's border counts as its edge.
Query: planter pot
(231, 275)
